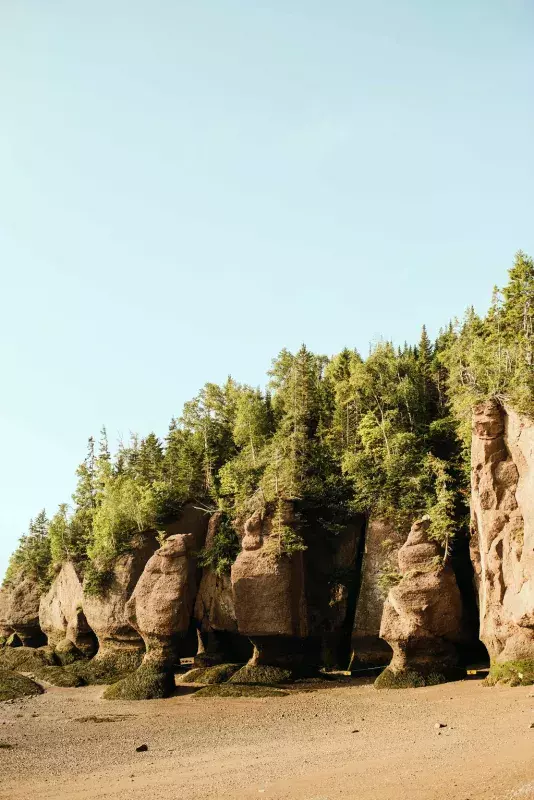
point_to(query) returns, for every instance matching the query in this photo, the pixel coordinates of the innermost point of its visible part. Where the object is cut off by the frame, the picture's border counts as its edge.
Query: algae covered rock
(108, 667)
(261, 675)
(25, 659)
(240, 690)
(67, 653)
(146, 683)
(58, 676)
(220, 673)
(14, 685)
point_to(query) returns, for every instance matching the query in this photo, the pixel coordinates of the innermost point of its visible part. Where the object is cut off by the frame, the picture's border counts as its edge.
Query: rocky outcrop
(5, 629)
(422, 615)
(161, 605)
(219, 640)
(106, 612)
(379, 566)
(22, 612)
(502, 530)
(61, 614)
(269, 598)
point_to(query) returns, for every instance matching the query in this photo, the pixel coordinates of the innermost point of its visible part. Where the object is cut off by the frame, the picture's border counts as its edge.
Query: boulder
(161, 605)
(61, 613)
(422, 616)
(269, 597)
(22, 613)
(379, 567)
(502, 530)
(106, 612)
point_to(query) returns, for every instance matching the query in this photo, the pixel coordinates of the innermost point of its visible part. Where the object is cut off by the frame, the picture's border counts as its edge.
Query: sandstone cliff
(502, 524)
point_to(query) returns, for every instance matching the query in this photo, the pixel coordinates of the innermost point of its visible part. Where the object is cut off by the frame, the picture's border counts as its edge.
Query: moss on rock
(25, 659)
(107, 668)
(58, 676)
(210, 675)
(408, 679)
(261, 675)
(146, 683)
(67, 652)
(513, 673)
(240, 690)
(13, 685)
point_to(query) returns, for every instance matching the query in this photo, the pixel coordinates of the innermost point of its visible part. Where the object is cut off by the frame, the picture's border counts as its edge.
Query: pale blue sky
(187, 187)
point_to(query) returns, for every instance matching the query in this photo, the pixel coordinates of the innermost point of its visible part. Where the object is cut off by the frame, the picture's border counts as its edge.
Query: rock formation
(422, 615)
(502, 525)
(269, 597)
(219, 640)
(161, 605)
(380, 561)
(22, 612)
(61, 614)
(105, 612)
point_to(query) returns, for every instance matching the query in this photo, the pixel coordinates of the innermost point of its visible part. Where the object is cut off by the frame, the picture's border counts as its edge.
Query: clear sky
(188, 187)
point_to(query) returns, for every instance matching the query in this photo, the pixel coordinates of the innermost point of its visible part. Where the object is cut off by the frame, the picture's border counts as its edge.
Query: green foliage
(494, 357)
(223, 549)
(32, 558)
(97, 579)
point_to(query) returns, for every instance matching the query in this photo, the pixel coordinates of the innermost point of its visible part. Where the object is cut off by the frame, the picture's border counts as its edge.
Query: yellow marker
(471, 671)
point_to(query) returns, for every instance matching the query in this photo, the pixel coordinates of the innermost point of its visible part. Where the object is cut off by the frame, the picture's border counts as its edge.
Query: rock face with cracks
(502, 531)
(422, 614)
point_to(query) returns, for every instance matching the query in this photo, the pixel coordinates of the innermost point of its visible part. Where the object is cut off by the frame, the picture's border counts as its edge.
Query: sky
(186, 187)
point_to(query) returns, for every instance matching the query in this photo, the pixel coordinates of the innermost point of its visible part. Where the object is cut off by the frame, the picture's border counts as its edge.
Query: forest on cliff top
(386, 435)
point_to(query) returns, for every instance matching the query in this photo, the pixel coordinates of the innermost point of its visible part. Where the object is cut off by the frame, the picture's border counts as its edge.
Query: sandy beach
(334, 742)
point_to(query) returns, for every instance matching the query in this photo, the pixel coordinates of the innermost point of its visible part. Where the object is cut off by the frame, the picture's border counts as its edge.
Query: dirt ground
(336, 742)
